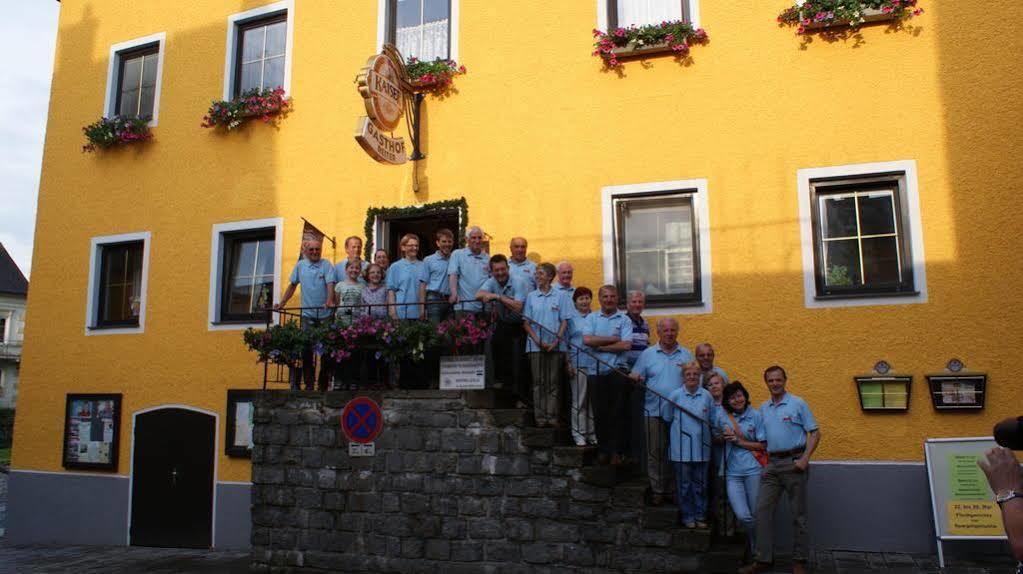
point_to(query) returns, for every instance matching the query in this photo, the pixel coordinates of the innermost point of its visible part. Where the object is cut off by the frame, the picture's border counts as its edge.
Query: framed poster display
(958, 391)
(240, 409)
(884, 393)
(92, 429)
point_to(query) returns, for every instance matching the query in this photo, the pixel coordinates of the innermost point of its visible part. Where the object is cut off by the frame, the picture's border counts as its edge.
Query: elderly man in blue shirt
(503, 296)
(434, 287)
(608, 333)
(518, 265)
(792, 436)
(316, 277)
(689, 408)
(659, 368)
(705, 356)
(468, 269)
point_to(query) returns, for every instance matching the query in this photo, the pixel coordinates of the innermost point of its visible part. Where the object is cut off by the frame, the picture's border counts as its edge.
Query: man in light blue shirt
(705, 356)
(433, 279)
(563, 286)
(403, 281)
(520, 266)
(659, 368)
(792, 436)
(503, 296)
(608, 334)
(353, 250)
(316, 277)
(689, 409)
(468, 269)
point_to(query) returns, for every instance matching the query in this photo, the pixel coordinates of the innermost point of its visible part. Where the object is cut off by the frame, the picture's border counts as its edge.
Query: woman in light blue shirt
(580, 365)
(743, 430)
(545, 320)
(403, 281)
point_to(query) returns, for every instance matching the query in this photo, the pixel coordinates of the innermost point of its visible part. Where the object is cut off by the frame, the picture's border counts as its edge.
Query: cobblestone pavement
(135, 560)
(3, 501)
(118, 560)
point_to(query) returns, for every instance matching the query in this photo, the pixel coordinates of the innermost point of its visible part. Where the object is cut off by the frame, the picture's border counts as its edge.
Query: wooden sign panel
(379, 146)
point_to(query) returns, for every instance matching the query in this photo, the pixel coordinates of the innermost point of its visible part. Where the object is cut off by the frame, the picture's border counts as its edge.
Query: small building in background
(13, 293)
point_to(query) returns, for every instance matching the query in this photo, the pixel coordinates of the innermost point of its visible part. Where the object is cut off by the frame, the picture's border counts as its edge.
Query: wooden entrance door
(172, 479)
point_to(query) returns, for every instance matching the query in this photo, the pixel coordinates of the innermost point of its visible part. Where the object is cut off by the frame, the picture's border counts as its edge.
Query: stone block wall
(455, 486)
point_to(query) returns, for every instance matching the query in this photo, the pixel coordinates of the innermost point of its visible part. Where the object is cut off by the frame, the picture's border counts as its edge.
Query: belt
(788, 453)
(436, 294)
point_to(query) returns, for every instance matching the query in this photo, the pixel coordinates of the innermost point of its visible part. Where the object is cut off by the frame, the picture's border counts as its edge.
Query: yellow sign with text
(974, 518)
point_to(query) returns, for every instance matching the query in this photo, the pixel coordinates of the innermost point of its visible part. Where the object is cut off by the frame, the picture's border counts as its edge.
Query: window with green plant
(861, 243)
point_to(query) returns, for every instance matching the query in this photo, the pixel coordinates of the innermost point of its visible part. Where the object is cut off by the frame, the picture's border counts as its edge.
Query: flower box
(810, 15)
(116, 131)
(633, 49)
(868, 15)
(434, 76)
(266, 105)
(637, 41)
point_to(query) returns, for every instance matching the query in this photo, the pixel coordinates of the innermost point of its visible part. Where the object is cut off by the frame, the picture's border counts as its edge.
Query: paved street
(133, 560)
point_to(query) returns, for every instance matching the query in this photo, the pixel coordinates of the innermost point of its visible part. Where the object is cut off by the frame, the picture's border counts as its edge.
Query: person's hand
(801, 464)
(571, 371)
(277, 306)
(1002, 469)
(453, 298)
(728, 433)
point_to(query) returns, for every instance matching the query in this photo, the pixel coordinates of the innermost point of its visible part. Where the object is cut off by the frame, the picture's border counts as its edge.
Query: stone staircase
(461, 482)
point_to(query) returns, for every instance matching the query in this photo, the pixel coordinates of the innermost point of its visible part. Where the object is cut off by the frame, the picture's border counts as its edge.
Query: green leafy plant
(678, 35)
(410, 340)
(436, 75)
(838, 276)
(820, 13)
(115, 131)
(280, 344)
(267, 105)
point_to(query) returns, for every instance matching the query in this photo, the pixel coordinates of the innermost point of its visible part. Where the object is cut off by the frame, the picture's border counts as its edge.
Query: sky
(28, 34)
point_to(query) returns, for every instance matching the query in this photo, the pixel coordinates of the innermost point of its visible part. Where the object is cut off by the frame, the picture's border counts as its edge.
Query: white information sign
(362, 449)
(463, 372)
(964, 506)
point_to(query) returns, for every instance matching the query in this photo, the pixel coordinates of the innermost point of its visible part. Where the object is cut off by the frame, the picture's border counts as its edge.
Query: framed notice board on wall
(92, 429)
(962, 502)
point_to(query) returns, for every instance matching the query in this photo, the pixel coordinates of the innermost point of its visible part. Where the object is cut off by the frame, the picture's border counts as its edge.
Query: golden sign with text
(974, 518)
(384, 85)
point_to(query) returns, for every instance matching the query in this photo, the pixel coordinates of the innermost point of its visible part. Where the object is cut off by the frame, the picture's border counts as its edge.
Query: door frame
(216, 463)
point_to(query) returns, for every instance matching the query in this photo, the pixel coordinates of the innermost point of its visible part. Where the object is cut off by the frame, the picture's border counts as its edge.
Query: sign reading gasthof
(384, 85)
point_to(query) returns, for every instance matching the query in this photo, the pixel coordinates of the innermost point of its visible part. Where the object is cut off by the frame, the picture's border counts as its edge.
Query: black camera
(1009, 433)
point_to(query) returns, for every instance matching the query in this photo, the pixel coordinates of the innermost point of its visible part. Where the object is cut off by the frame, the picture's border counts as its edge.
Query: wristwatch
(1004, 496)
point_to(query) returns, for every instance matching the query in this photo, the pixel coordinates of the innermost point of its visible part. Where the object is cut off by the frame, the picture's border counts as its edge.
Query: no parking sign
(361, 422)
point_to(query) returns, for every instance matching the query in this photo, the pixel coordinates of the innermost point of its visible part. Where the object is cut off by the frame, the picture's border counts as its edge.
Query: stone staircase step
(574, 456)
(491, 399)
(509, 417)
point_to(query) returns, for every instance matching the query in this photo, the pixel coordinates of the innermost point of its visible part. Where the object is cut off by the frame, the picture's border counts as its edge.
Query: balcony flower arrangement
(410, 340)
(340, 341)
(432, 76)
(280, 344)
(465, 332)
(267, 105)
(813, 14)
(115, 131)
(675, 36)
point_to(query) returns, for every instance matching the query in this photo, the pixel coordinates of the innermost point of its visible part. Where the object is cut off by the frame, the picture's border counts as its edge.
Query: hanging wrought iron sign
(388, 94)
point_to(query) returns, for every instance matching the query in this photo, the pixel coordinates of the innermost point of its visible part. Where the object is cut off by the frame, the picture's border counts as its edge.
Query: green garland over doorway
(396, 212)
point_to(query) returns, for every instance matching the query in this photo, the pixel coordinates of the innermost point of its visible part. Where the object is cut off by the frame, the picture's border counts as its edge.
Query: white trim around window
(912, 202)
(694, 11)
(113, 68)
(234, 20)
(698, 188)
(382, 27)
(93, 294)
(217, 268)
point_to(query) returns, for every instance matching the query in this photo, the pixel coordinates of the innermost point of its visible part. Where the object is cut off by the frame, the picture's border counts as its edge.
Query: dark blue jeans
(692, 490)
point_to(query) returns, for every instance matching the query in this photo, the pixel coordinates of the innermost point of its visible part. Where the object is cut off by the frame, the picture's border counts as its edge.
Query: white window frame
(217, 268)
(234, 20)
(382, 28)
(113, 67)
(912, 216)
(694, 13)
(698, 188)
(92, 297)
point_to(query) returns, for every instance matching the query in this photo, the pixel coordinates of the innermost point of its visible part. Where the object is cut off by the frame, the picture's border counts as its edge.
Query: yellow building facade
(540, 138)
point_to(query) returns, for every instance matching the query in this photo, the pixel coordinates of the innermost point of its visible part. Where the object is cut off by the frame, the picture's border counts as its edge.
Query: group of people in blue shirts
(697, 424)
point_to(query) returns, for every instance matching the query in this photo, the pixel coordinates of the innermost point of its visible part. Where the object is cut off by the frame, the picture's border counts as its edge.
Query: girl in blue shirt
(743, 430)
